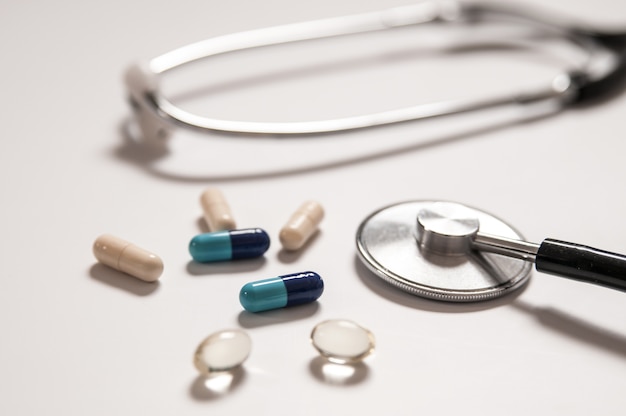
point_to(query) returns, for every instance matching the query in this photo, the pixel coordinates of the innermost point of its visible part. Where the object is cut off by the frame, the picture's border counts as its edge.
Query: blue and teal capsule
(281, 292)
(229, 245)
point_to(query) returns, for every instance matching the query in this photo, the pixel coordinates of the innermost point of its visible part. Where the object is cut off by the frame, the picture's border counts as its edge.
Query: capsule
(229, 245)
(128, 258)
(216, 210)
(301, 225)
(341, 341)
(222, 351)
(281, 292)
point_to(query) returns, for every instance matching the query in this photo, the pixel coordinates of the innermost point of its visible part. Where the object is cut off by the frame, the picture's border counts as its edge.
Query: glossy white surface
(79, 338)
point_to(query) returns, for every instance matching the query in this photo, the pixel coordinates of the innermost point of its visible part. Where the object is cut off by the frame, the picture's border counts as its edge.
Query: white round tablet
(342, 341)
(222, 351)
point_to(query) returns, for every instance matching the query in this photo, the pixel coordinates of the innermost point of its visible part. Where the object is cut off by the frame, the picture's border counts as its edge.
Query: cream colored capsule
(128, 258)
(216, 210)
(301, 226)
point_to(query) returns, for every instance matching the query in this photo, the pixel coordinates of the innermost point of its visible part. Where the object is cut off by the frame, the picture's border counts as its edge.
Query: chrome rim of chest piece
(387, 243)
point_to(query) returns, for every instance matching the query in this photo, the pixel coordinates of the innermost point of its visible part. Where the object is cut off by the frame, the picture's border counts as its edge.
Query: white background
(80, 339)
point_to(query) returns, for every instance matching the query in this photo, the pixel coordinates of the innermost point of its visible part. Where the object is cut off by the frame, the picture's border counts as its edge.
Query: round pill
(216, 210)
(301, 225)
(222, 351)
(128, 258)
(281, 292)
(342, 341)
(229, 245)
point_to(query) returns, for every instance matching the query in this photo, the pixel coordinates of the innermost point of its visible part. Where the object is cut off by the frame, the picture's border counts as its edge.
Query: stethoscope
(602, 73)
(451, 252)
(442, 251)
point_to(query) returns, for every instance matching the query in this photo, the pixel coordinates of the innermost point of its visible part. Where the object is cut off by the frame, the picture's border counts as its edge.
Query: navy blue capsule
(282, 291)
(229, 245)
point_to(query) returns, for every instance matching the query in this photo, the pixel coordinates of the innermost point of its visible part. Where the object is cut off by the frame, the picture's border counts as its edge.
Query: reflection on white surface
(219, 383)
(338, 374)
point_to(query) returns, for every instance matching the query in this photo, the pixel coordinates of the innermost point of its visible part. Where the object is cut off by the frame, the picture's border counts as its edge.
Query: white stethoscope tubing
(143, 82)
(589, 80)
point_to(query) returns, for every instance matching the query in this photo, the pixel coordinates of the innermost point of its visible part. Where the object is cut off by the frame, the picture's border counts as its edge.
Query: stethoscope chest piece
(422, 248)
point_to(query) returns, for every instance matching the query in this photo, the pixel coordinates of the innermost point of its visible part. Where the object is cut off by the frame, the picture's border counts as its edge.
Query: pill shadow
(277, 316)
(291, 256)
(120, 280)
(236, 266)
(395, 295)
(216, 386)
(338, 374)
(202, 225)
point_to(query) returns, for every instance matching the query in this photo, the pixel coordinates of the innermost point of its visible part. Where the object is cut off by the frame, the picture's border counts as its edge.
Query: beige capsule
(301, 226)
(216, 210)
(128, 258)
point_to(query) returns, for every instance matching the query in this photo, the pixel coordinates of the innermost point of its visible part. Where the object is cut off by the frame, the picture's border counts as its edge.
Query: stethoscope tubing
(571, 87)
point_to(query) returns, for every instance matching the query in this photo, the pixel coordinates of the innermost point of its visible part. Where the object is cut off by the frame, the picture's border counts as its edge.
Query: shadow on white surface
(338, 374)
(575, 328)
(119, 280)
(393, 294)
(174, 166)
(277, 316)
(145, 157)
(237, 266)
(550, 317)
(216, 386)
(202, 226)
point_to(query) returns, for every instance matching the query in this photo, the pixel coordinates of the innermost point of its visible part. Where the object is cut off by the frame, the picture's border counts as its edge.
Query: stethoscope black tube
(588, 88)
(447, 229)
(614, 81)
(582, 263)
